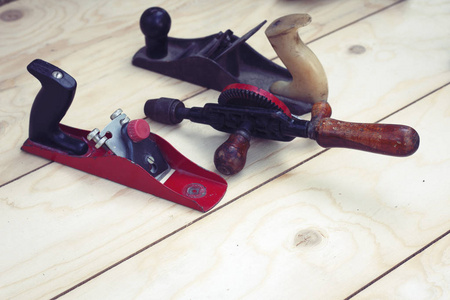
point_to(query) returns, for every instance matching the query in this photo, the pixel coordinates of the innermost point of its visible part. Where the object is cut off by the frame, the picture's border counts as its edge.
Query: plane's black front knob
(155, 25)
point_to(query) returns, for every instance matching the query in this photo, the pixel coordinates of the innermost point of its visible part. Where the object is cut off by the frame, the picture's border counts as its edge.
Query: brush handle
(388, 139)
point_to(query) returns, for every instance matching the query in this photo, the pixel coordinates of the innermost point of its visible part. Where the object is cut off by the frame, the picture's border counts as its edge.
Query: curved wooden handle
(388, 139)
(231, 156)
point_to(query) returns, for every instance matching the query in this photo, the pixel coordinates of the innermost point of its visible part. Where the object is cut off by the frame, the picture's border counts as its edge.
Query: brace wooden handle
(388, 139)
(231, 156)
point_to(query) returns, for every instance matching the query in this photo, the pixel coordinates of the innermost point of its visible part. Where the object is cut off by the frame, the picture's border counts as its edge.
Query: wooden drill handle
(388, 139)
(230, 157)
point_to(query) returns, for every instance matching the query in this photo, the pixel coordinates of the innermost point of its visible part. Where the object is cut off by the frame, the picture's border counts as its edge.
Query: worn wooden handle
(231, 156)
(388, 139)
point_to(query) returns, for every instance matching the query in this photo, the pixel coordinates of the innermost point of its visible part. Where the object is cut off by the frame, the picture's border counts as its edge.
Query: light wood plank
(111, 221)
(361, 89)
(94, 42)
(321, 231)
(426, 276)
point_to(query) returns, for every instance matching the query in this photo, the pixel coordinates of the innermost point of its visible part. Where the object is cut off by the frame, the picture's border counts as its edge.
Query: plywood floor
(299, 222)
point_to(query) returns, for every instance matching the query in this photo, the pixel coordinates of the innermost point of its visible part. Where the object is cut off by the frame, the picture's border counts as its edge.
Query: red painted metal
(189, 185)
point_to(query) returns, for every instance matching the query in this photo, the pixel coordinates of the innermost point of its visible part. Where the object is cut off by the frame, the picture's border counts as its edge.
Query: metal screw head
(115, 114)
(195, 190)
(124, 121)
(101, 142)
(57, 74)
(151, 160)
(93, 134)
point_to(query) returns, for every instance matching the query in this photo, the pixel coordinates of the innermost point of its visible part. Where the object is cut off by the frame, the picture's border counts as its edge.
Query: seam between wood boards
(254, 188)
(356, 21)
(282, 173)
(427, 245)
(205, 90)
(50, 162)
(349, 24)
(417, 100)
(185, 226)
(399, 265)
(27, 173)
(247, 193)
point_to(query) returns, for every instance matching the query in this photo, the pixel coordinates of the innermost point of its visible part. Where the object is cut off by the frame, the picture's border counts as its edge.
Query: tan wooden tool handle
(388, 139)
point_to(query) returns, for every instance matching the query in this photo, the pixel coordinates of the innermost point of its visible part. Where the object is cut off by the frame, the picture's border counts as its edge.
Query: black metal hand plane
(214, 61)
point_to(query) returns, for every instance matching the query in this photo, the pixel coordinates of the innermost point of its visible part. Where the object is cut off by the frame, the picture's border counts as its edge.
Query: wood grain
(425, 276)
(94, 42)
(335, 215)
(320, 231)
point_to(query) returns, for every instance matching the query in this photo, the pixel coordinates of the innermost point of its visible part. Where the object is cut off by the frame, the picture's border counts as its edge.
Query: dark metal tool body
(262, 123)
(214, 61)
(247, 111)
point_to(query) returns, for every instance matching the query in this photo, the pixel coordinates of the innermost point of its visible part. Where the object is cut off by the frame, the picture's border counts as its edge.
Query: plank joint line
(399, 264)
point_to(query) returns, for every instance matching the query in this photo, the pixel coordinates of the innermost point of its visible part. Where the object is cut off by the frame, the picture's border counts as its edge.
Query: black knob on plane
(155, 24)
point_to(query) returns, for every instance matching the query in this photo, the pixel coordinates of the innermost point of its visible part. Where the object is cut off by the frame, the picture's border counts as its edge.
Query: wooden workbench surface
(299, 222)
